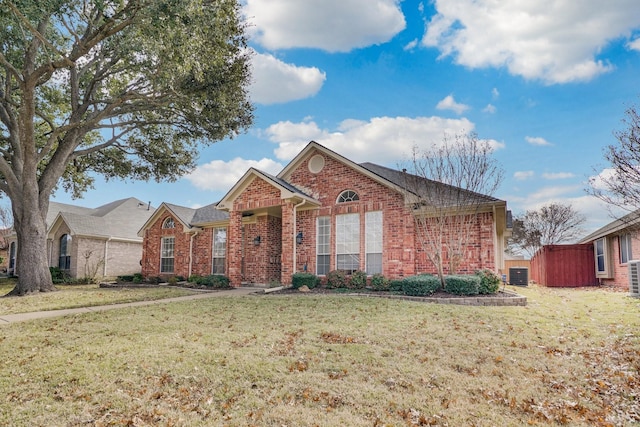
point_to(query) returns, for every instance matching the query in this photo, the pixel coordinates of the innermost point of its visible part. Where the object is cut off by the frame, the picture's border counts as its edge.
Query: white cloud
(634, 44)
(556, 41)
(275, 81)
(331, 25)
(411, 45)
(558, 175)
(536, 140)
(522, 175)
(221, 175)
(448, 103)
(495, 93)
(383, 140)
(491, 109)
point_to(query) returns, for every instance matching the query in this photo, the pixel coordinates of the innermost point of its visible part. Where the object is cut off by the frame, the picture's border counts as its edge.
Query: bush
(137, 278)
(379, 282)
(125, 278)
(396, 285)
(215, 281)
(309, 280)
(59, 276)
(489, 282)
(462, 285)
(337, 279)
(424, 284)
(358, 280)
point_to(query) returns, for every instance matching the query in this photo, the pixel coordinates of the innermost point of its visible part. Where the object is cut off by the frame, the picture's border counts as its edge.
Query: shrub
(125, 278)
(462, 285)
(194, 278)
(215, 281)
(59, 276)
(172, 280)
(489, 282)
(358, 280)
(137, 278)
(337, 279)
(304, 279)
(396, 285)
(379, 282)
(424, 284)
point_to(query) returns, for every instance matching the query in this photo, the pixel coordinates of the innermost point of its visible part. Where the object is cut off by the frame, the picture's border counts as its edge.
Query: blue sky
(546, 81)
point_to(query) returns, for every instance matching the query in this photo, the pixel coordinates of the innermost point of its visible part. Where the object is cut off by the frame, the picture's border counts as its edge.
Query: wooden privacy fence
(564, 266)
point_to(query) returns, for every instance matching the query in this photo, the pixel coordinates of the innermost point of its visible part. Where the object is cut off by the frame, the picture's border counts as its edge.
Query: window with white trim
(373, 242)
(348, 242)
(348, 196)
(219, 250)
(166, 255)
(603, 259)
(168, 223)
(625, 248)
(64, 260)
(323, 244)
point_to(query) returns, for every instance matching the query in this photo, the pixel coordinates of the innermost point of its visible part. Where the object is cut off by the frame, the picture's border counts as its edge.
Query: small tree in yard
(114, 87)
(449, 185)
(550, 224)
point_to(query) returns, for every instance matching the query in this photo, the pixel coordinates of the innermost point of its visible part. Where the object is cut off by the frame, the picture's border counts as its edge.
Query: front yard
(571, 356)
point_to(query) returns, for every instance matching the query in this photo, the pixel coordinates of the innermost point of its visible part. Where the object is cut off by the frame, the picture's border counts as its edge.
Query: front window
(12, 255)
(219, 250)
(625, 248)
(348, 242)
(373, 243)
(323, 245)
(64, 261)
(166, 256)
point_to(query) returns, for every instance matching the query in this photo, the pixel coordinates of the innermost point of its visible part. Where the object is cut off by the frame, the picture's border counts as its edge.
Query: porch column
(234, 239)
(288, 238)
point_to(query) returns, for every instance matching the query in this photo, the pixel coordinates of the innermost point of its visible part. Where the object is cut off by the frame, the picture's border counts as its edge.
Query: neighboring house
(86, 242)
(614, 246)
(322, 212)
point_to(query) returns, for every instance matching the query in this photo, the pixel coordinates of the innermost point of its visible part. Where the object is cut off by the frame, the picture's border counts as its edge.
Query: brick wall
(152, 247)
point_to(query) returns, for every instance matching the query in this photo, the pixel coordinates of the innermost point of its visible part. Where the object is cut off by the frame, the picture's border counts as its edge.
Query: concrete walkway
(21, 317)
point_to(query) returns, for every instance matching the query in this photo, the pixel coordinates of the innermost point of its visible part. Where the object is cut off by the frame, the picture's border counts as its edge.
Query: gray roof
(433, 188)
(119, 219)
(194, 217)
(627, 221)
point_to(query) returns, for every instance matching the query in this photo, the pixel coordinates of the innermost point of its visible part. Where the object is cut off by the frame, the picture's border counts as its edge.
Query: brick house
(614, 245)
(320, 213)
(92, 242)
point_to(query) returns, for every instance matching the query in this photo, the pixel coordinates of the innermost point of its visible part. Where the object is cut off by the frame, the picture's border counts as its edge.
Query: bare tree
(449, 185)
(619, 185)
(549, 225)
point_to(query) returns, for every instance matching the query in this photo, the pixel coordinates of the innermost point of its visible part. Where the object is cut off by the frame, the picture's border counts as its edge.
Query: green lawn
(571, 357)
(73, 296)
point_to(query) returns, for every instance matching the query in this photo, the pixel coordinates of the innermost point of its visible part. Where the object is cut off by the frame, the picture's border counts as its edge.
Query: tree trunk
(32, 265)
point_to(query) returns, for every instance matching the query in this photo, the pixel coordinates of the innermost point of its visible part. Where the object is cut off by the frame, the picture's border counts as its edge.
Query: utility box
(519, 276)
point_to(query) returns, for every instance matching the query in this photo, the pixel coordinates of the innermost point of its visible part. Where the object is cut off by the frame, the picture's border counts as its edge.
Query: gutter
(295, 221)
(191, 251)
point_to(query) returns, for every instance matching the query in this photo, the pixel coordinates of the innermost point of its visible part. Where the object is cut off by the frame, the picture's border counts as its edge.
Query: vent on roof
(634, 278)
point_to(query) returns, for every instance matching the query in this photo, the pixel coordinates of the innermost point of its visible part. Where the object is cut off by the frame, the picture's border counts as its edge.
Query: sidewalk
(21, 317)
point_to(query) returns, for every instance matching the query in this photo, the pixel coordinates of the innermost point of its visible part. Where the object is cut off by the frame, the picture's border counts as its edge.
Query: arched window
(64, 261)
(168, 223)
(348, 196)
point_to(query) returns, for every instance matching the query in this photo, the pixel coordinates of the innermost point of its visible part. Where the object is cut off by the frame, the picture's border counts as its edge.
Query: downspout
(496, 250)
(106, 257)
(191, 251)
(295, 220)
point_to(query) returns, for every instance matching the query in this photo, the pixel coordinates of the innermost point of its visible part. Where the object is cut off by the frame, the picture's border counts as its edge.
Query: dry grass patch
(570, 357)
(74, 296)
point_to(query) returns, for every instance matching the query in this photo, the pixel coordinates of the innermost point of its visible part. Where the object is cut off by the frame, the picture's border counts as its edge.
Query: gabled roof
(620, 224)
(190, 218)
(293, 164)
(119, 219)
(287, 190)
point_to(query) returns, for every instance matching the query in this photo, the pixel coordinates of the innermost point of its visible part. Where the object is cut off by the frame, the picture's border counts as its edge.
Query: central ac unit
(634, 278)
